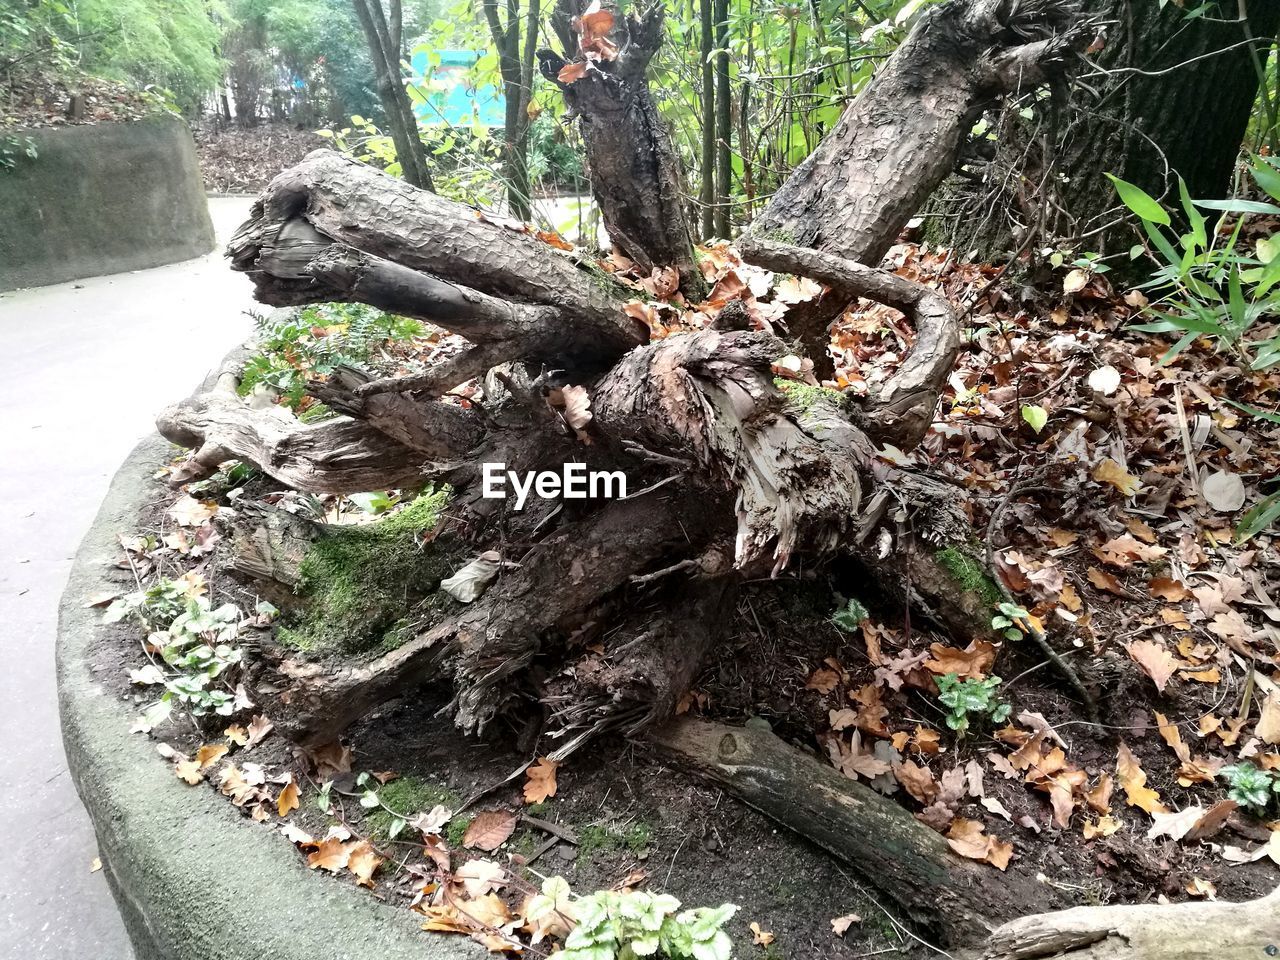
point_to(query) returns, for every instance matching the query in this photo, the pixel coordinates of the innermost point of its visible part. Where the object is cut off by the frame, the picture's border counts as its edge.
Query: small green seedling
(1012, 620)
(849, 617)
(1251, 787)
(971, 698)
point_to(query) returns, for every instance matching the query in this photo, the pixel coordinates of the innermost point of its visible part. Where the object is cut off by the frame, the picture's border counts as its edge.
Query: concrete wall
(100, 199)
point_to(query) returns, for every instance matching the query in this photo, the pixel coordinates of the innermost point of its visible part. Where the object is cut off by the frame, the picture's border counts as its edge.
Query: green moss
(456, 829)
(802, 396)
(600, 839)
(969, 574)
(637, 837)
(408, 796)
(360, 581)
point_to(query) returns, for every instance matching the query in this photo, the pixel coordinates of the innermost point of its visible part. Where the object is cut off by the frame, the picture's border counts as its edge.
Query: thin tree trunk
(707, 188)
(401, 122)
(724, 133)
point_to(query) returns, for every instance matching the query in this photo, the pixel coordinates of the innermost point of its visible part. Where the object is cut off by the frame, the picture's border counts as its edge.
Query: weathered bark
(635, 176)
(1171, 96)
(955, 900)
(900, 138)
(1181, 931)
(650, 662)
(336, 456)
(486, 647)
(420, 254)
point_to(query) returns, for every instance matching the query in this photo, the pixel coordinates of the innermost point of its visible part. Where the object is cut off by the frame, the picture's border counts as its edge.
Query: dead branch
(903, 409)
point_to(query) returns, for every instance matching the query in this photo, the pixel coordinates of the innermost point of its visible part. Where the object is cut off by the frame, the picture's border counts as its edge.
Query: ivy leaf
(1036, 416)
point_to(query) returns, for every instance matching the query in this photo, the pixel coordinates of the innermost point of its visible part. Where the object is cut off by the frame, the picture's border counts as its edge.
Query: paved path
(84, 367)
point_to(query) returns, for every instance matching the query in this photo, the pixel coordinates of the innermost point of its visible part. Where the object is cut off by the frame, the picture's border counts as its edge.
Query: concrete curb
(194, 879)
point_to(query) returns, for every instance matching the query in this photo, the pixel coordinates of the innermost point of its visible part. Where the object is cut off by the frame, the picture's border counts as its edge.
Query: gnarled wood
(635, 176)
(902, 411)
(712, 395)
(329, 199)
(901, 137)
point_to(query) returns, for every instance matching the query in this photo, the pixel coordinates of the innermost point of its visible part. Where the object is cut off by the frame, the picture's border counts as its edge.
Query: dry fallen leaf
(490, 829)
(260, 726)
(1268, 728)
(1133, 780)
(841, 924)
(1105, 581)
(917, 780)
(823, 680)
(187, 511)
(288, 799)
(237, 735)
(1105, 827)
(330, 854)
(571, 72)
(1108, 471)
(966, 838)
(1165, 588)
(189, 770)
(479, 877)
(210, 753)
(1156, 661)
(363, 861)
(761, 938)
(541, 782)
(972, 662)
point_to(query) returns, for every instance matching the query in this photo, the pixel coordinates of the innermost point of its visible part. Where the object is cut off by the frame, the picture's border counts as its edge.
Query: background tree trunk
(516, 67)
(707, 188)
(1188, 118)
(723, 114)
(384, 49)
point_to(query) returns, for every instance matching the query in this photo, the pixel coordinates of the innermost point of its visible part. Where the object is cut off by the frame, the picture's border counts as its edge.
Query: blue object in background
(451, 99)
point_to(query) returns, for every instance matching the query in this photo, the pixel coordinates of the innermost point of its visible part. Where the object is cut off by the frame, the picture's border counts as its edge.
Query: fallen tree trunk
(1181, 931)
(955, 900)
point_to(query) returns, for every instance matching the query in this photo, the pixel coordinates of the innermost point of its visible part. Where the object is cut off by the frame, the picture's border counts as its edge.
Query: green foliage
(624, 926)
(195, 648)
(1206, 283)
(1259, 517)
(849, 617)
(295, 347)
(1012, 619)
(165, 44)
(12, 147)
(971, 698)
(1251, 787)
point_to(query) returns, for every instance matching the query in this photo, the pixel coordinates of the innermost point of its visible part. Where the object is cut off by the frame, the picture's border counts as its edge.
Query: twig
(1065, 669)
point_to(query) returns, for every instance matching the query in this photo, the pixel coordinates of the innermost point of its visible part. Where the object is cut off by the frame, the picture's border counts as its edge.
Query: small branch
(904, 407)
